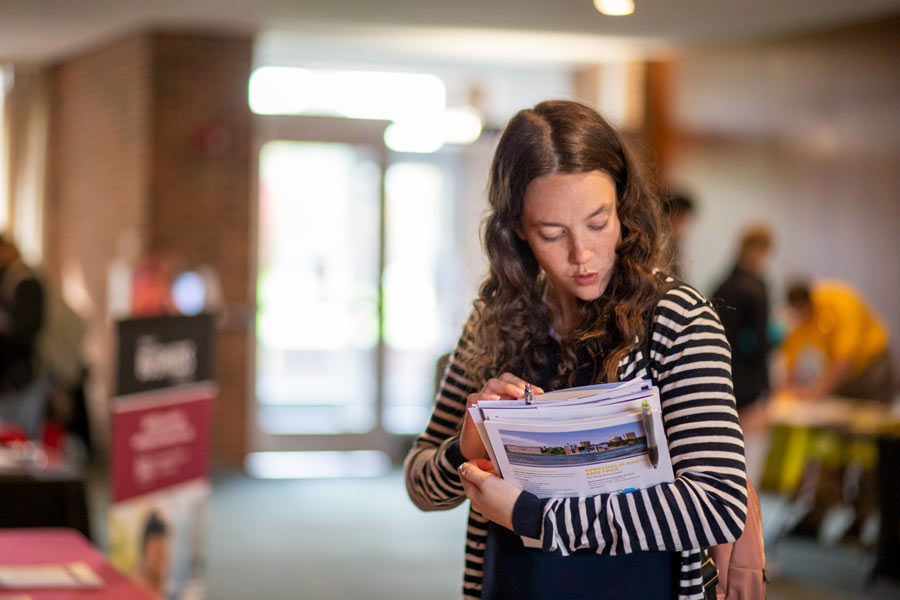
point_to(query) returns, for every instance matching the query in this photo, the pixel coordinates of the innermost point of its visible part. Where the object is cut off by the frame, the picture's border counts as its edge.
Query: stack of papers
(582, 441)
(58, 575)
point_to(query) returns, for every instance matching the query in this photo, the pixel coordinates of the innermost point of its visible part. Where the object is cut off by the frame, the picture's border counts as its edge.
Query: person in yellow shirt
(839, 346)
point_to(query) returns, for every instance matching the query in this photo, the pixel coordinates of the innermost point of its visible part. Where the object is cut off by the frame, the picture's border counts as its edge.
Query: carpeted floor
(329, 539)
(362, 538)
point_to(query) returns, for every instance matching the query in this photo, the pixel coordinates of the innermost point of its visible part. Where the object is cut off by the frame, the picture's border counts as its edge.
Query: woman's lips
(586, 279)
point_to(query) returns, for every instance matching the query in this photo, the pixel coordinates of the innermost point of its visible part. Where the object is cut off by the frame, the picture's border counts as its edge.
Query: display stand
(160, 452)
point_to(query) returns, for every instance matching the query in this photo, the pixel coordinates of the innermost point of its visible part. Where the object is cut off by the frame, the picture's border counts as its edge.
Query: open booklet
(581, 441)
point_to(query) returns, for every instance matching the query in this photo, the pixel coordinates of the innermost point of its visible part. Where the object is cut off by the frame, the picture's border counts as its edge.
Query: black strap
(709, 575)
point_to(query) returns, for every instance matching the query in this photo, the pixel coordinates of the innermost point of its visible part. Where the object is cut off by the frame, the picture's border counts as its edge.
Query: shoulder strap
(647, 339)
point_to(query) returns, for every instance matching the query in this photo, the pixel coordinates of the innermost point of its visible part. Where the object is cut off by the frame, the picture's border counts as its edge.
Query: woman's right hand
(505, 387)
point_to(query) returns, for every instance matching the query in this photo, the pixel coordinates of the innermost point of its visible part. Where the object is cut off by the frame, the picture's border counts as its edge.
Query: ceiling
(41, 31)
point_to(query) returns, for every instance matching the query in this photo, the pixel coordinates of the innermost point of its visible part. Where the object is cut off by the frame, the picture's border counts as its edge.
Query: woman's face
(571, 224)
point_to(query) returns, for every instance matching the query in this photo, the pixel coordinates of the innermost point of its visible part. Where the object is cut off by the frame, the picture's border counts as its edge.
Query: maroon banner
(160, 439)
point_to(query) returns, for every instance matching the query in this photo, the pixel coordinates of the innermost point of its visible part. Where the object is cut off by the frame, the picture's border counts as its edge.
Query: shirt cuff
(528, 515)
(453, 454)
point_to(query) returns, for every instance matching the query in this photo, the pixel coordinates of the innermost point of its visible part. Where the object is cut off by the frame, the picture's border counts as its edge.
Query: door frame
(337, 130)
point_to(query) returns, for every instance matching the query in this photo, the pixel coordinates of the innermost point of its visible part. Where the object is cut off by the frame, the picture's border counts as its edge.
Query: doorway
(355, 295)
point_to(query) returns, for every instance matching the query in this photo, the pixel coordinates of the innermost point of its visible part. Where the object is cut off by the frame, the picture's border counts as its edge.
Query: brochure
(581, 442)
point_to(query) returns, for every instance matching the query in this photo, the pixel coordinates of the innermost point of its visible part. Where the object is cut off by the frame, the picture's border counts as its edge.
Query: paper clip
(529, 394)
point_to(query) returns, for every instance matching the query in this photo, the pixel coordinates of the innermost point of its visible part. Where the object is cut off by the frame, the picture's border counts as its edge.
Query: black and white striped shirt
(690, 361)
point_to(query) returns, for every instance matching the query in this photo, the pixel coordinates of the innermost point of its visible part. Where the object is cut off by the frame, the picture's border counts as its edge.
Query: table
(44, 490)
(54, 546)
(830, 434)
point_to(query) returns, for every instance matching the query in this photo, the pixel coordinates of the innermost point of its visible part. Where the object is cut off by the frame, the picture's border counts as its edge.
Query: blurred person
(151, 291)
(574, 237)
(678, 209)
(153, 571)
(742, 300)
(23, 387)
(838, 345)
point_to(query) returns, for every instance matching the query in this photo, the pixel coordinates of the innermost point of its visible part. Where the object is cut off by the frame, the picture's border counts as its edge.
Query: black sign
(162, 352)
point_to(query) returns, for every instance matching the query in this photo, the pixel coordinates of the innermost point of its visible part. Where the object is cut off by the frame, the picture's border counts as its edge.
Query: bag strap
(709, 575)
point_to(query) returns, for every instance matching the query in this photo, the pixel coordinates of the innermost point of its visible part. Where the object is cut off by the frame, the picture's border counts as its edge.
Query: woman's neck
(564, 310)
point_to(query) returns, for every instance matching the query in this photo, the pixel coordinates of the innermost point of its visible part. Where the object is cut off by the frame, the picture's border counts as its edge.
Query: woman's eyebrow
(598, 212)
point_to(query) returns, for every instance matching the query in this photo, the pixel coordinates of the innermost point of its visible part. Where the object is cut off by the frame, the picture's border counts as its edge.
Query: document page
(581, 450)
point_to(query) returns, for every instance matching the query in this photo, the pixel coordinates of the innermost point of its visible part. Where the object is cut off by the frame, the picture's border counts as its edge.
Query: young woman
(573, 238)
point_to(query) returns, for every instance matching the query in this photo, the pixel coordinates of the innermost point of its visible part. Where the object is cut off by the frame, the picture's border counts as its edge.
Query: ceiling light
(415, 102)
(615, 8)
(462, 125)
(412, 135)
(352, 94)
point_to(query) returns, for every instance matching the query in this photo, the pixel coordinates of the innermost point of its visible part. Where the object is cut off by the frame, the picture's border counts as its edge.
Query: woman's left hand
(492, 496)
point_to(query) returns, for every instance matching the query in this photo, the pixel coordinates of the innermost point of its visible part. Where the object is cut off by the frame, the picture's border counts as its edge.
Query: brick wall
(151, 135)
(100, 141)
(200, 205)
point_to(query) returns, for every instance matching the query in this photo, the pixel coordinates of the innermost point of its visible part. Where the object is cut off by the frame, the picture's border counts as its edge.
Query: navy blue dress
(514, 572)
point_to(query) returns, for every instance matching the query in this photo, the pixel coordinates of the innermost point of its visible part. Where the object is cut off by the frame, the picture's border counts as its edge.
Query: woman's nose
(579, 253)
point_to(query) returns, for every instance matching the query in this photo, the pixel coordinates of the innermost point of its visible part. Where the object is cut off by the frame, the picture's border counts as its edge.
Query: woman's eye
(553, 238)
(597, 227)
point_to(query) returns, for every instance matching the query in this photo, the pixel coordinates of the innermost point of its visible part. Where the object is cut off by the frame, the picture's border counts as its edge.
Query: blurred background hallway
(307, 180)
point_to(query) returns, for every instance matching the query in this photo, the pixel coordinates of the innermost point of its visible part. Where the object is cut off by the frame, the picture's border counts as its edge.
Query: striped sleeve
(706, 504)
(430, 467)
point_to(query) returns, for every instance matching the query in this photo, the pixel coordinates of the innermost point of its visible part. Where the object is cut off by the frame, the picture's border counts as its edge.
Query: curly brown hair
(512, 329)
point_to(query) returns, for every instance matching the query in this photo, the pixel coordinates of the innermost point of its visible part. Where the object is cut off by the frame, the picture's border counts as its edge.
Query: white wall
(803, 133)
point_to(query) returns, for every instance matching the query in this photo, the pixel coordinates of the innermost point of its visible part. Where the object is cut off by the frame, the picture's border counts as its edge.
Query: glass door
(359, 291)
(318, 324)
(317, 296)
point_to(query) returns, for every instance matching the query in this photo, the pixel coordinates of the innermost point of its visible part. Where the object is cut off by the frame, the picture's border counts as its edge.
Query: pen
(529, 394)
(652, 450)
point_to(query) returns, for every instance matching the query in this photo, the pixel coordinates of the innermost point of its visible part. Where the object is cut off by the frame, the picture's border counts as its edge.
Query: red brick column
(151, 135)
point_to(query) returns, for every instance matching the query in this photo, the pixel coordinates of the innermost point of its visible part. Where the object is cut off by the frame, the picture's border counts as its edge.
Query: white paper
(567, 412)
(592, 390)
(57, 575)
